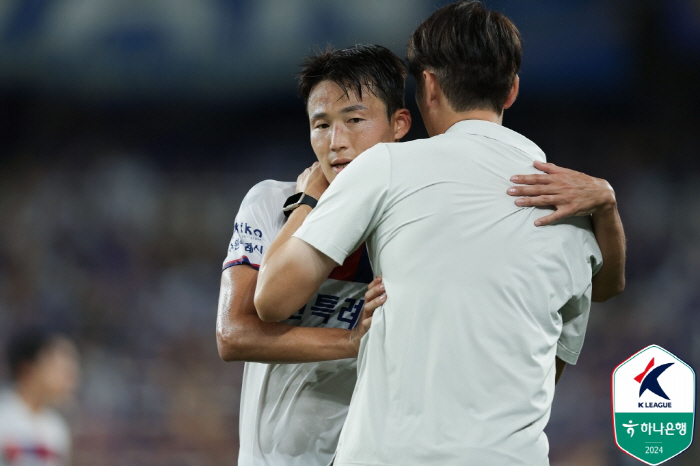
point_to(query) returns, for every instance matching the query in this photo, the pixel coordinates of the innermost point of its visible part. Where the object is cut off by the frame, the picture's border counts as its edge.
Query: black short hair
(371, 67)
(26, 345)
(475, 54)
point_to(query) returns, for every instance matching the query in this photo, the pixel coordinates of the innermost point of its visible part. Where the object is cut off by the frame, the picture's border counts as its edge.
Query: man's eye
(321, 126)
(355, 120)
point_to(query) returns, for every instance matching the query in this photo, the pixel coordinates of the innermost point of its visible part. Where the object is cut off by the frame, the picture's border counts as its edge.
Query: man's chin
(330, 175)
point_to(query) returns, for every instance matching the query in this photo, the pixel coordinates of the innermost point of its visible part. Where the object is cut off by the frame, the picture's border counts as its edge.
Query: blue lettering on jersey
(250, 247)
(297, 315)
(243, 228)
(353, 309)
(324, 307)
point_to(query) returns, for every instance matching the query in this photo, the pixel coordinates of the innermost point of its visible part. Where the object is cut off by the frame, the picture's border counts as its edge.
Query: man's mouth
(340, 164)
(339, 167)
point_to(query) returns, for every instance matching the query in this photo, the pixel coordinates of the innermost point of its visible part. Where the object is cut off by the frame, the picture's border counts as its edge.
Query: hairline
(347, 88)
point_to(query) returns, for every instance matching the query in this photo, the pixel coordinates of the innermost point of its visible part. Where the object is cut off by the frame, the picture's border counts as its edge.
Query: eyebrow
(351, 108)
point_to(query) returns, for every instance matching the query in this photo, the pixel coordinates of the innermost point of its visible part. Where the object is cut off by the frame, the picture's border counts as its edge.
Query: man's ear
(430, 87)
(401, 123)
(513, 92)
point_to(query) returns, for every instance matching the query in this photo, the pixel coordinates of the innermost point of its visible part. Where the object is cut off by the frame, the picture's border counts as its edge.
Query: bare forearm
(560, 366)
(610, 280)
(296, 218)
(250, 339)
(242, 336)
(288, 278)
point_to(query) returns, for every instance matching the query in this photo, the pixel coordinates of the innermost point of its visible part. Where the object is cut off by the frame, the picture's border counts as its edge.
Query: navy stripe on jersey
(240, 261)
(364, 268)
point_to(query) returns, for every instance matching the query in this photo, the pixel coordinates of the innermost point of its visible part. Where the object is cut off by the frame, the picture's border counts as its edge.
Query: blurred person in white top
(459, 364)
(44, 369)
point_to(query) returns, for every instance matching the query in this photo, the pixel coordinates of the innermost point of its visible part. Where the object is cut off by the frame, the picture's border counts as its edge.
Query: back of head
(356, 69)
(25, 347)
(475, 54)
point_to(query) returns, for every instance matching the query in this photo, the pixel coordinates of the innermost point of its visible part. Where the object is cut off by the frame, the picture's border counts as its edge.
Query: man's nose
(339, 139)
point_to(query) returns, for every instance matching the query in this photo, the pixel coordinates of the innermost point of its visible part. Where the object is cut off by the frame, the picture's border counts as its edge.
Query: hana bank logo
(646, 424)
(650, 381)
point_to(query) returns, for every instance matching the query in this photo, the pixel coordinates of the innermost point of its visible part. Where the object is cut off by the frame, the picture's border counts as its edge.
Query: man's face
(56, 370)
(343, 126)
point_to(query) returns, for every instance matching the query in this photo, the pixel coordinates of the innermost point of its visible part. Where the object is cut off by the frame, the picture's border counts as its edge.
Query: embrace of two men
(451, 354)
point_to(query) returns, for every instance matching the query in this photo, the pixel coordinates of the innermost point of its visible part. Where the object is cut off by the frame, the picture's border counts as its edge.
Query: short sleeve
(257, 223)
(576, 311)
(575, 320)
(350, 208)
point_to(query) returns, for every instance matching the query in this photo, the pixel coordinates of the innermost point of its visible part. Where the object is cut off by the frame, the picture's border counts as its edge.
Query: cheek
(374, 134)
(61, 375)
(320, 147)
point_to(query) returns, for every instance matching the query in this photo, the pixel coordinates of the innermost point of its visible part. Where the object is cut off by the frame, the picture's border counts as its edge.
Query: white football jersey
(31, 439)
(292, 414)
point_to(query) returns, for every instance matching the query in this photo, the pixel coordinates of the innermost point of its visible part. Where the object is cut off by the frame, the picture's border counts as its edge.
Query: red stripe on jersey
(347, 271)
(241, 260)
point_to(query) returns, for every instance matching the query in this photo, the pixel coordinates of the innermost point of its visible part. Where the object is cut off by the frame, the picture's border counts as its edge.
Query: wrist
(315, 193)
(352, 343)
(297, 200)
(300, 212)
(609, 204)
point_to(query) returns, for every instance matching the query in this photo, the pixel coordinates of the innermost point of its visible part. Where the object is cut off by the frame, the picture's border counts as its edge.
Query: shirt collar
(498, 132)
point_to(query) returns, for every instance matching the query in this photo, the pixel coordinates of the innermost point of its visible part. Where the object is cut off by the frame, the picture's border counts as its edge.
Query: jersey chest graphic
(339, 301)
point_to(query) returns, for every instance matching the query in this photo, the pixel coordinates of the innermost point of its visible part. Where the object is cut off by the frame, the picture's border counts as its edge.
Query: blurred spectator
(44, 369)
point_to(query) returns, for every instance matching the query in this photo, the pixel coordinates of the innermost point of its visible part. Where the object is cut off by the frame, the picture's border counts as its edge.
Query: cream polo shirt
(458, 367)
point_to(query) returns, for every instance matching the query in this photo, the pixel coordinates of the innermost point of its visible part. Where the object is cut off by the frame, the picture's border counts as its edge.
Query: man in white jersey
(300, 372)
(458, 367)
(44, 368)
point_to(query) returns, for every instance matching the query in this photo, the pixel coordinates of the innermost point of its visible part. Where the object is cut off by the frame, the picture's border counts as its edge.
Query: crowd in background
(115, 219)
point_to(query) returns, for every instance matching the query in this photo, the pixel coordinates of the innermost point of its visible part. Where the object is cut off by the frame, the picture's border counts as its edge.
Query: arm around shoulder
(576, 194)
(607, 226)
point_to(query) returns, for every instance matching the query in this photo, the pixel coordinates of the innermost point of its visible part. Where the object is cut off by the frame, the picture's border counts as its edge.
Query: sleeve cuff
(240, 261)
(567, 355)
(329, 249)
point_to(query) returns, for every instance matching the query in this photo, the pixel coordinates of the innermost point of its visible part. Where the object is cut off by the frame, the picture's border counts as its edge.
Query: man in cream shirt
(458, 367)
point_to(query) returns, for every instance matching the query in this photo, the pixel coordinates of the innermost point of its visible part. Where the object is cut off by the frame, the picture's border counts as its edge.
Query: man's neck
(31, 396)
(449, 118)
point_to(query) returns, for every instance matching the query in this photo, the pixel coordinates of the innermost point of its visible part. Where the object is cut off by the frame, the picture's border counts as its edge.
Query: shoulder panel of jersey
(356, 268)
(258, 222)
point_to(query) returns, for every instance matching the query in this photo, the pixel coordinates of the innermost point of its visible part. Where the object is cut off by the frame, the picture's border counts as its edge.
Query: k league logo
(653, 400)
(651, 382)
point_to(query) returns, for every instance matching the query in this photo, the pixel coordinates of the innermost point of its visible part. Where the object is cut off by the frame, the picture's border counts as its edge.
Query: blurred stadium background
(130, 131)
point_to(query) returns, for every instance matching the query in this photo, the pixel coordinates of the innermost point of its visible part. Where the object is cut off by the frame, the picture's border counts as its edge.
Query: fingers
(372, 305)
(539, 201)
(531, 179)
(377, 280)
(548, 167)
(529, 190)
(374, 290)
(551, 218)
(375, 296)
